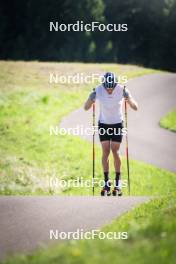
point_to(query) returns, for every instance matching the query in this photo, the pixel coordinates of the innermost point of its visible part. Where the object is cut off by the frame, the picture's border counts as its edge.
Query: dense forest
(150, 39)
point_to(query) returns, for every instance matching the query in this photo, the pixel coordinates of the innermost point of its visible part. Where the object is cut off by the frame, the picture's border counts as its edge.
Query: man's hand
(133, 104)
(92, 96)
(126, 94)
(90, 100)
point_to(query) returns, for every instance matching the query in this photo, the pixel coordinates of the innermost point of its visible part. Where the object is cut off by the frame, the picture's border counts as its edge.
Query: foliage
(150, 39)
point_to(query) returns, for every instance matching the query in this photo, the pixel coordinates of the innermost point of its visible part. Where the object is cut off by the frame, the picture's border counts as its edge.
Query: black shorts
(110, 132)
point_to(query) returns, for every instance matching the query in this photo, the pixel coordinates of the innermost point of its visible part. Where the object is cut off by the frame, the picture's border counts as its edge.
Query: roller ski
(106, 191)
(117, 191)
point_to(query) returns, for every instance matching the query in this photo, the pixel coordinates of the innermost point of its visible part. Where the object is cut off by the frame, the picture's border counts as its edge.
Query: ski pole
(93, 167)
(127, 155)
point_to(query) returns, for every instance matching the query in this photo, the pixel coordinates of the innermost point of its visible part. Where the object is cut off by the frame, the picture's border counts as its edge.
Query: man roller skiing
(110, 95)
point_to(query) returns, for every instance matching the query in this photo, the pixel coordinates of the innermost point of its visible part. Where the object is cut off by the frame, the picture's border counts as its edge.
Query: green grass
(29, 156)
(151, 230)
(169, 121)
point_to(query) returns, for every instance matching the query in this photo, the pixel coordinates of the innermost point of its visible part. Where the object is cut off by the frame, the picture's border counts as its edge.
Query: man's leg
(115, 146)
(105, 163)
(105, 155)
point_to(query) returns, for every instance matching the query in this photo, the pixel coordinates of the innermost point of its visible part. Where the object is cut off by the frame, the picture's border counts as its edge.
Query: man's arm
(133, 104)
(90, 101)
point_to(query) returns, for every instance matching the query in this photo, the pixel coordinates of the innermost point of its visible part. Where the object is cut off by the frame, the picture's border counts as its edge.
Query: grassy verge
(29, 156)
(169, 121)
(151, 230)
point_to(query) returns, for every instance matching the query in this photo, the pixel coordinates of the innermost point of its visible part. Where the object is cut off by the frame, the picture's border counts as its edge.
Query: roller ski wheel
(105, 192)
(117, 192)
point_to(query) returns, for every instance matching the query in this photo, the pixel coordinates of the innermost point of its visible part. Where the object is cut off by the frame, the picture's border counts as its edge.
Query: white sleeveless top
(110, 104)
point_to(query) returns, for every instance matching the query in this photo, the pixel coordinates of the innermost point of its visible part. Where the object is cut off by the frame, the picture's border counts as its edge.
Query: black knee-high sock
(117, 178)
(106, 176)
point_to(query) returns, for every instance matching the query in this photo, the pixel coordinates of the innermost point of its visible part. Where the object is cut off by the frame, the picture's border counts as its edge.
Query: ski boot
(106, 191)
(117, 192)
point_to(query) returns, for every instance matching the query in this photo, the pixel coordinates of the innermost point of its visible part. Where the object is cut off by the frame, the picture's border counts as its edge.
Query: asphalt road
(25, 222)
(148, 142)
